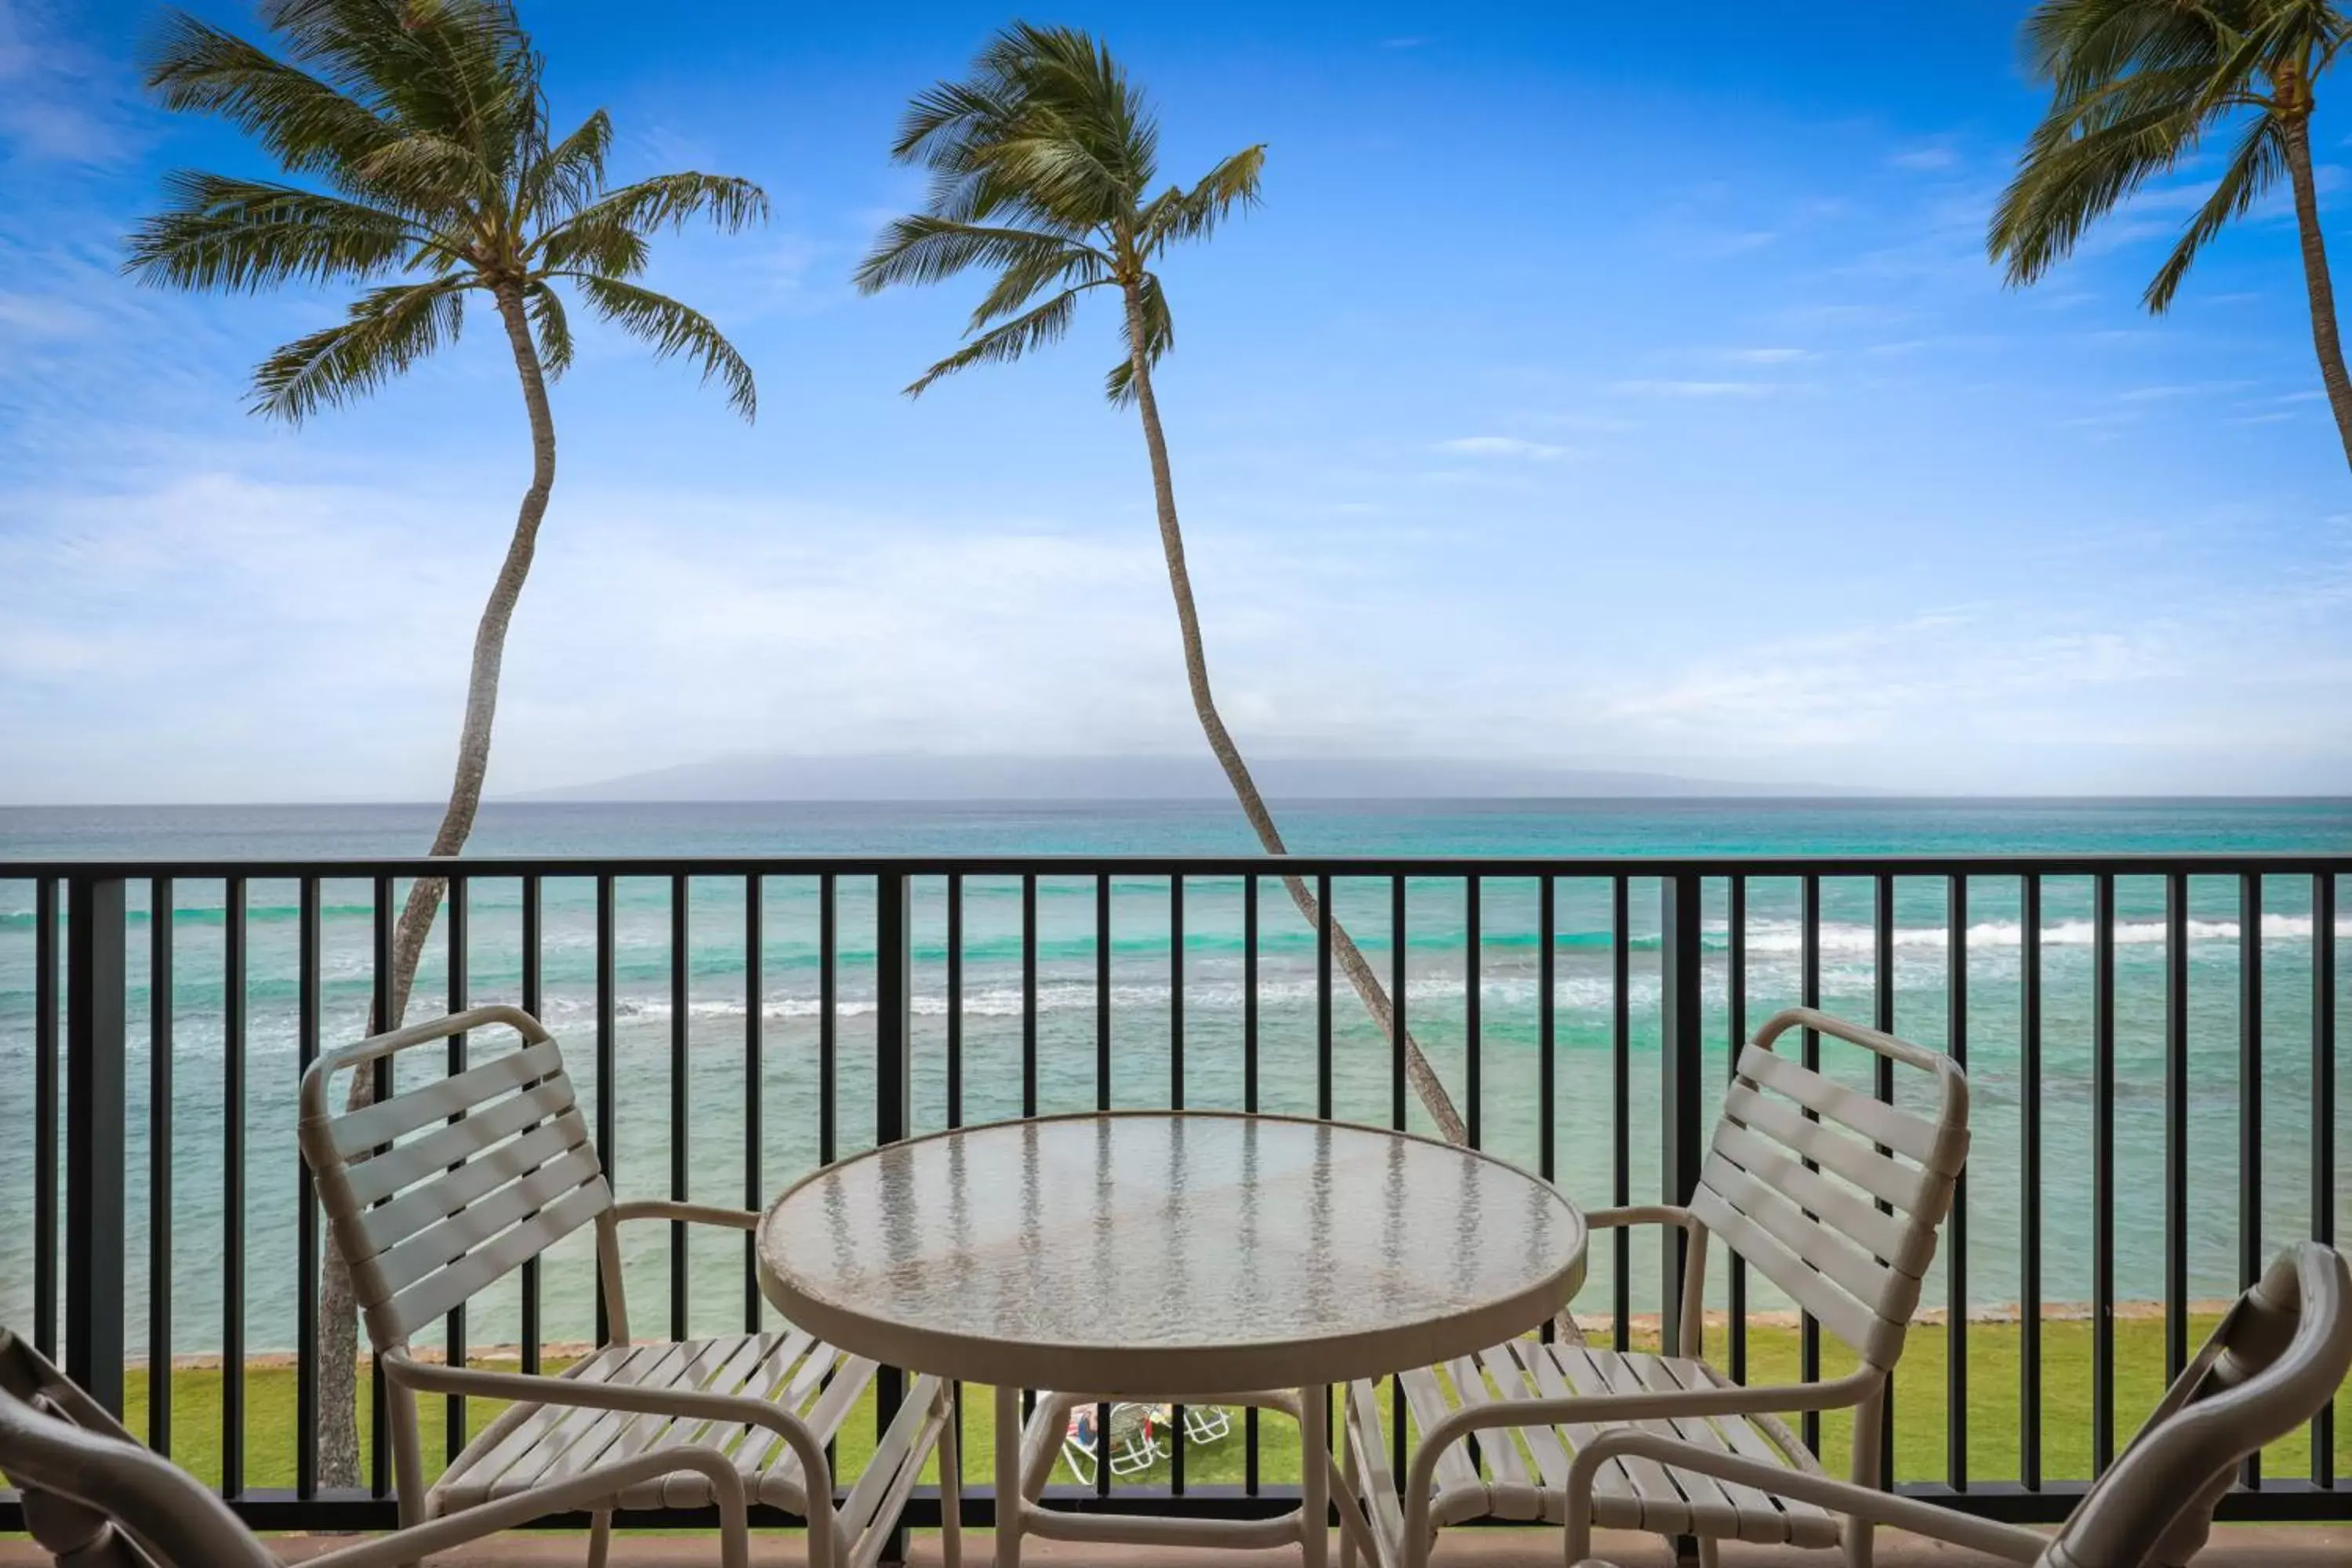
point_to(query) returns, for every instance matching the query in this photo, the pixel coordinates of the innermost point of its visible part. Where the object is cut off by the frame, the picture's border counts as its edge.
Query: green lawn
(1919, 1406)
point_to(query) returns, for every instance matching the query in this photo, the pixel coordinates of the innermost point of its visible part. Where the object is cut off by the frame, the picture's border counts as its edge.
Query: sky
(1597, 386)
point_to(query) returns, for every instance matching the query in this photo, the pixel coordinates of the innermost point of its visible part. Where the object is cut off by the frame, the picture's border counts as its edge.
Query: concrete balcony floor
(2235, 1546)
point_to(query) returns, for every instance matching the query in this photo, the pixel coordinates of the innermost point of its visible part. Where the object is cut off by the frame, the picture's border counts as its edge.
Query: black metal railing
(883, 996)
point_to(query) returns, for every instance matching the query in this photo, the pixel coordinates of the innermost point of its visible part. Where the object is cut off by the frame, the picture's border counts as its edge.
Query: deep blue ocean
(1586, 997)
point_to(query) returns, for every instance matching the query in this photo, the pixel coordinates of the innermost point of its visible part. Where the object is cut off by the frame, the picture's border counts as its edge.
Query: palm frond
(1007, 342)
(2260, 159)
(2067, 180)
(925, 249)
(304, 123)
(387, 330)
(673, 201)
(247, 234)
(426, 173)
(567, 177)
(670, 328)
(1158, 331)
(550, 329)
(1194, 214)
(1021, 281)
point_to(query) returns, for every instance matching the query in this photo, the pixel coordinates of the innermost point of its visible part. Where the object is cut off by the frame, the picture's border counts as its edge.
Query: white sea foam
(1841, 938)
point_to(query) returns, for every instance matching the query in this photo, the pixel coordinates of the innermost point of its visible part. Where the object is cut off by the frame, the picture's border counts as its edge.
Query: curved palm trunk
(2315, 280)
(1423, 1079)
(338, 1348)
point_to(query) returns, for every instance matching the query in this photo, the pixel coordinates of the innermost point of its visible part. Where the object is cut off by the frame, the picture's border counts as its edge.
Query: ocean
(1586, 997)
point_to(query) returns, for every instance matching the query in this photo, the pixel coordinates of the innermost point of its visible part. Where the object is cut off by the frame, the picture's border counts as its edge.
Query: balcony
(2153, 1044)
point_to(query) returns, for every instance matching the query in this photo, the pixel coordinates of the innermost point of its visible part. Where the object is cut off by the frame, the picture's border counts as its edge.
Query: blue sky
(1595, 388)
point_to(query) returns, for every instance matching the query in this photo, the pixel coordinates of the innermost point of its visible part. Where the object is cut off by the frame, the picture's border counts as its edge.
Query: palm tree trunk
(2296, 129)
(1423, 1079)
(337, 1349)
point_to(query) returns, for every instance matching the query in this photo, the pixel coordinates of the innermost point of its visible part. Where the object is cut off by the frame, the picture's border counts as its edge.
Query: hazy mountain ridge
(911, 776)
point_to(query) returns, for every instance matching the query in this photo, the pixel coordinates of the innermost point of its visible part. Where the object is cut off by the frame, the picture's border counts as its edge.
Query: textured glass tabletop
(1170, 1254)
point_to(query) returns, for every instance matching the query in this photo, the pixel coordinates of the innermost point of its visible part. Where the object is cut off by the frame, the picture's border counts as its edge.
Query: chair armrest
(690, 1213)
(2013, 1543)
(414, 1544)
(539, 1389)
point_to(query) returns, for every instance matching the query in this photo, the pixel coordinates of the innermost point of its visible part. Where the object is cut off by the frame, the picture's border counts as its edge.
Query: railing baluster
(1102, 993)
(233, 967)
(454, 1421)
(1736, 993)
(45, 1116)
(755, 1081)
(2029, 1183)
(955, 999)
(532, 1003)
(1809, 979)
(2175, 1124)
(1883, 1086)
(96, 974)
(1621, 1107)
(828, 997)
(2249, 1104)
(2323, 1126)
(1176, 1025)
(2103, 1172)
(1323, 997)
(1029, 995)
(1250, 1483)
(608, 1132)
(1956, 1247)
(308, 1262)
(159, 1194)
(1397, 1026)
(681, 1009)
(1471, 1086)
(1682, 1047)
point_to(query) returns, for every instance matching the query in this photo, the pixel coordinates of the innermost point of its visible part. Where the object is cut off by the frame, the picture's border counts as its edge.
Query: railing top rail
(2046, 864)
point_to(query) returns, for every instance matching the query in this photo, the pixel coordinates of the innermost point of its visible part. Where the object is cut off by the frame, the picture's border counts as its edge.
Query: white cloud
(1707, 388)
(1769, 356)
(1926, 159)
(1503, 446)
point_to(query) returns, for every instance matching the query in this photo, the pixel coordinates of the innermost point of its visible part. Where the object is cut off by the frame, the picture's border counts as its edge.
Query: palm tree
(1043, 164)
(2136, 87)
(426, 124)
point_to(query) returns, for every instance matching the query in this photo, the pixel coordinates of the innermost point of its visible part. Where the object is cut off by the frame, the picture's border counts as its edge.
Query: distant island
(917, 776)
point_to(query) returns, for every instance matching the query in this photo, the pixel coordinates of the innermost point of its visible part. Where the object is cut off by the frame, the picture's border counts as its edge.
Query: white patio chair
(435, 1193)
(2272, 1363)
(95, 1499)
(1828, 1193)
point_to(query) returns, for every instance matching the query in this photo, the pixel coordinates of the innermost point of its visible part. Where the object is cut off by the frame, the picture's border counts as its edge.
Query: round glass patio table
(1169, 1255)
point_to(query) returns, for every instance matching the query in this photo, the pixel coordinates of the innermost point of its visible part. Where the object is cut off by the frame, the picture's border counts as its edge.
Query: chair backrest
(1829, 1192)
(2272, 1362)
(94, 1498)
(438, 1191)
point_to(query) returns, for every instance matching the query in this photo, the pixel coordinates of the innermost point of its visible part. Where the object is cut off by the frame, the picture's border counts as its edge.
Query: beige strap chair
(1828, 1192)
(2272, 1362)
(435, 1193)
(95, 1499)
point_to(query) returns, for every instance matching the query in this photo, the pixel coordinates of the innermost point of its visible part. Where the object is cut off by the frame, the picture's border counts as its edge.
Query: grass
(1920, 1401)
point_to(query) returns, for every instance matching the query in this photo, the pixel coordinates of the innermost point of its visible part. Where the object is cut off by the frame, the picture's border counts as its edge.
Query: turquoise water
(718, 1016)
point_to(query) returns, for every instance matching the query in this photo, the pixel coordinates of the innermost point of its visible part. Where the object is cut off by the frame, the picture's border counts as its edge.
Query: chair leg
(1858, 1541)
(951, 1461)
(1710, 1553)
(600, 1538)
(1347, 1474)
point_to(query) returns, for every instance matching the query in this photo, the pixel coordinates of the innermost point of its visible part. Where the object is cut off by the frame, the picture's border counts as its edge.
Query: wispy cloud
(1668, 388)
(59, 101)
(1926, 159)
(1769, 356)
(1503, 446)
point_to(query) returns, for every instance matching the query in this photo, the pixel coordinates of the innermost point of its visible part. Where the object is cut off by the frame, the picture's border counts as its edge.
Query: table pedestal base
(1027, 1453)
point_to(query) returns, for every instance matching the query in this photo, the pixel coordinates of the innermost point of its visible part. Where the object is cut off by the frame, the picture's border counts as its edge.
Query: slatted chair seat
(437, 1192)
(1521, 1472)
(1829, 1194)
